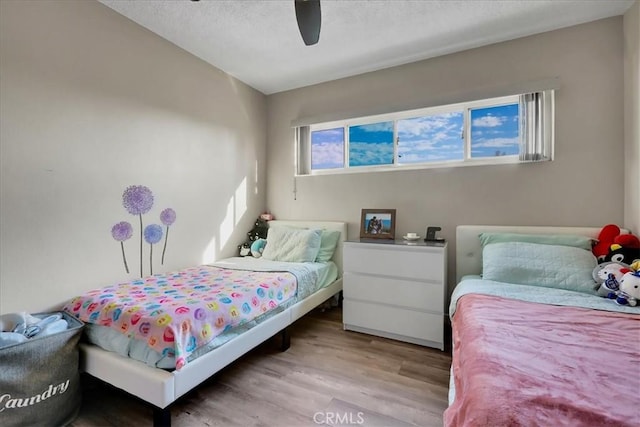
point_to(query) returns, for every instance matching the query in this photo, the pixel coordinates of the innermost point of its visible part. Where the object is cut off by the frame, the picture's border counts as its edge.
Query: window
(495, 131)
(431, 138)
(327, 149)
(508, 129)
(371, 145)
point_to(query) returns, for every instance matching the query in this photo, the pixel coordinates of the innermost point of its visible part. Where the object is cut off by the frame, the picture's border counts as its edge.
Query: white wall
(632, 117)
(584, 186)
(92, 103)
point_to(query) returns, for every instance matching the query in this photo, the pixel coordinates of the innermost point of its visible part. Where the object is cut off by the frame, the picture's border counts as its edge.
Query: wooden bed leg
(286, 339)
(161, 417)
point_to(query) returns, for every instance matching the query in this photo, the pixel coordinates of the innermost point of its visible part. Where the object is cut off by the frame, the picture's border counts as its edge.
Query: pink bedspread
(176, 313)
(518, 363)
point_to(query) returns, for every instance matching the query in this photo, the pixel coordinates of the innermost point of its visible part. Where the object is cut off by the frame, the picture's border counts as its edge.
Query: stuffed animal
(611, 246)
(605, 240)
(626, 250)
(257, 247)
(629, 292)
(245, 249)
(259, 231)
(607, 276)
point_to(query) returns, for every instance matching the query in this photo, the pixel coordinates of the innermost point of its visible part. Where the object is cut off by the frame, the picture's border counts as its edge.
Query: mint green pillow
(550, 266)
(328, 242)
(575, 241)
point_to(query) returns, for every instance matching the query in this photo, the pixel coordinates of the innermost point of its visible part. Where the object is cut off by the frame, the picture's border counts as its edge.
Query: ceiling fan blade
(309, 18)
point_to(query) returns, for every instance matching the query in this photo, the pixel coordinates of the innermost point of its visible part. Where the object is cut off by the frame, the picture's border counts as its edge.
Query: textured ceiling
(258, 42)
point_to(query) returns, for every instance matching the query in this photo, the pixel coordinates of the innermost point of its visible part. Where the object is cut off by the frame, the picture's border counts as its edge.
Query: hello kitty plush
(629, 292)
(607, 276)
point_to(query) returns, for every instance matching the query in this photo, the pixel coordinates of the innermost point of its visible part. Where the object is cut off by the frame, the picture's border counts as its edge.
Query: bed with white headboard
(538, 346)
(161, 387)
(469, 249)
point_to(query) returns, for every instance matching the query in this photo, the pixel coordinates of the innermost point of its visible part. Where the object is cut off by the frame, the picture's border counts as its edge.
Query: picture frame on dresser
(378, 224)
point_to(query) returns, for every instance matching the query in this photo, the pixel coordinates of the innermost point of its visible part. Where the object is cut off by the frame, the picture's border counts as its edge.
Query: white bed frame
(161, 388)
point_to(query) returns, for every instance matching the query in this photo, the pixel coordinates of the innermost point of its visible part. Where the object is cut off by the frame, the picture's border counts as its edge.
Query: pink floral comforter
(176, 313)
(520, 363)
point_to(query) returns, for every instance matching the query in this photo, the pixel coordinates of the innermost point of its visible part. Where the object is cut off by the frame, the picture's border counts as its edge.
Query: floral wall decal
(122, 231)
(152, 234)
(167, 216)
(138, 200)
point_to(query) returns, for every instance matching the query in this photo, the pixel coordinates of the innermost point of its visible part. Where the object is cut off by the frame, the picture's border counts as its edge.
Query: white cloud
(377, 127)
(489, 121)
(414, 146)
(422, 125)
(497, 143)
(327, 153)
(328, 135)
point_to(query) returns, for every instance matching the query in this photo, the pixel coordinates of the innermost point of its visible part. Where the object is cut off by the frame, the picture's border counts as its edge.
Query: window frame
(467, 159)
(501, 101)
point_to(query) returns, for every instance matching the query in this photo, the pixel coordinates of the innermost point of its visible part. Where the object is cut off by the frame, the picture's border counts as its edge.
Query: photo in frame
(378, 224)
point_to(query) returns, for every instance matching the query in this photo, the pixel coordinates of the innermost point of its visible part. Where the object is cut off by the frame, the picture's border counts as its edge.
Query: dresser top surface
(409, 243)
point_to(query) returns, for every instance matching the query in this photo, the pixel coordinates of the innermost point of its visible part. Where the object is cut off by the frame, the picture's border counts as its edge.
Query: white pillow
(292, 244)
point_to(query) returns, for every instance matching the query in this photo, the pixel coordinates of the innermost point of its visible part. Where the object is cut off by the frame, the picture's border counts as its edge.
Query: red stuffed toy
(613, 246)
(605, 240)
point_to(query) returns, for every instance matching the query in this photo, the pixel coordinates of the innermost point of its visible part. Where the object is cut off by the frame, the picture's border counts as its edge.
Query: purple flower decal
(167, 216)
(137, 199)
(122, 231)
(152, 234)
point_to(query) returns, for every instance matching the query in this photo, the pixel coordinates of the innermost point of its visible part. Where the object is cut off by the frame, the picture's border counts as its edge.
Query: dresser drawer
(409, 323)
(402, 262)
(423, 296)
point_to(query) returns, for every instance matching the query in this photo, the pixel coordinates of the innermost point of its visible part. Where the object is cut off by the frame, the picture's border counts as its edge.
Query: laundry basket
(39, 378)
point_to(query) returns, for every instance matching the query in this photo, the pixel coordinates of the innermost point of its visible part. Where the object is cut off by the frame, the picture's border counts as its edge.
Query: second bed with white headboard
(533, 343)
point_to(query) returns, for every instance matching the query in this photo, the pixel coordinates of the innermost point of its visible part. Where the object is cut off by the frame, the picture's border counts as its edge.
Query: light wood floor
(327, 377)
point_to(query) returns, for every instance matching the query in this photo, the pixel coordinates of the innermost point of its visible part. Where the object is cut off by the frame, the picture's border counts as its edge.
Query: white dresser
(396, 289)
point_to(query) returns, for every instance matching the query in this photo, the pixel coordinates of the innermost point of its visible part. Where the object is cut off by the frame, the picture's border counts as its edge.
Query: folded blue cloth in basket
(19, 327)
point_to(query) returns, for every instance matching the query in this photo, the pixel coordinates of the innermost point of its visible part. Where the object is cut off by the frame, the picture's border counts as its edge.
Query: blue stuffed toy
(257, 247)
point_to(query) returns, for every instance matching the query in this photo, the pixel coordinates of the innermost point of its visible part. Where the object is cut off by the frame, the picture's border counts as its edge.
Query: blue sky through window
(431, 138)
(371, 144)
(327, 149)
(495, 131)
